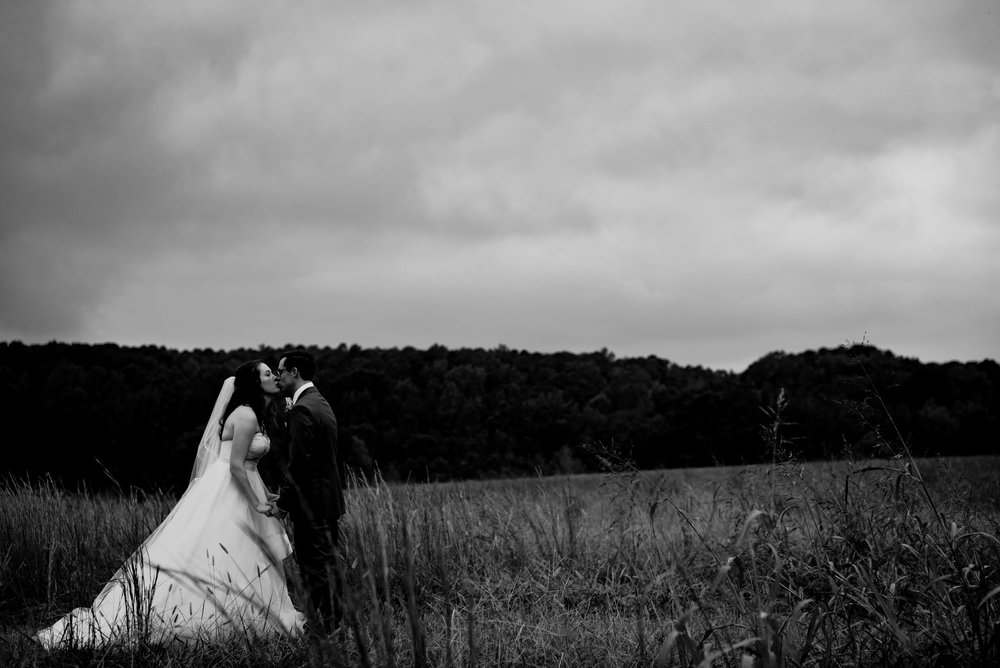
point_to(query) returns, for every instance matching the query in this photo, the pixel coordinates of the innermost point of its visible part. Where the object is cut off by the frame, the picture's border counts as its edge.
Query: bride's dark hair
(246, 392)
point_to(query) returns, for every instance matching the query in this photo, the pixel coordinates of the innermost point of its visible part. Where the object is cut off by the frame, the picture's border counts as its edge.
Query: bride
(213, 568)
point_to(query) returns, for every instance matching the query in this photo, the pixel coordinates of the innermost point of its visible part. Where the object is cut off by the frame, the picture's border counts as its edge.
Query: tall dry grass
(790, 564)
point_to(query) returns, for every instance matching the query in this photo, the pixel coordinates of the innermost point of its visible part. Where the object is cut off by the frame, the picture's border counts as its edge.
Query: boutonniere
(288, 403)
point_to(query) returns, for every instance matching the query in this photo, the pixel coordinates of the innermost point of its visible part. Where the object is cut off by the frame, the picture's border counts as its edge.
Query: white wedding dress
(211, 570)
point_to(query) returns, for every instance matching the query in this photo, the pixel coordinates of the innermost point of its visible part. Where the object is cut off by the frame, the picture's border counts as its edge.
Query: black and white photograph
(469, 334)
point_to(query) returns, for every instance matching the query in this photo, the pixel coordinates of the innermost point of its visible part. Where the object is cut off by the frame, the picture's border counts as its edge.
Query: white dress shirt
(298, 392)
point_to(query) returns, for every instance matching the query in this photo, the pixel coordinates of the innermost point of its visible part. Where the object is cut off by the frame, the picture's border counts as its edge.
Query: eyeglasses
(281, 371)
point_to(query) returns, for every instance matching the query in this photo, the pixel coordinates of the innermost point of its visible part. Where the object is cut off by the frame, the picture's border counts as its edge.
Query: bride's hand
(263, 508)
(272, 497)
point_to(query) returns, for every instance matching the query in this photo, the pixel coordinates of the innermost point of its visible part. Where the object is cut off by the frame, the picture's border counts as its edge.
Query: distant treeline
(109, 415)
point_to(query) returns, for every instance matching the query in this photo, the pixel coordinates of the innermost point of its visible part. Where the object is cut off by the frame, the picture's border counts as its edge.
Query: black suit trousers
(315, 552)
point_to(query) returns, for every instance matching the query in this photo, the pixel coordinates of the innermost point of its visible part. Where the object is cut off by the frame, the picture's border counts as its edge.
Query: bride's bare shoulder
(242, 416)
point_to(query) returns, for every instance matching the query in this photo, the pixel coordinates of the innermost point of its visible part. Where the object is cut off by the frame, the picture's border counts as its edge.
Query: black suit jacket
(312, 492)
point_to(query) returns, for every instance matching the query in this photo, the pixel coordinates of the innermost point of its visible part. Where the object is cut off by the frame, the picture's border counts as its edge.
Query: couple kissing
(214, 567)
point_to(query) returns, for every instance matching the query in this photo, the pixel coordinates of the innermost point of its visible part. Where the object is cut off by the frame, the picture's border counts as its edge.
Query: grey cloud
(50, 285)
(641, 176)
(85, 188)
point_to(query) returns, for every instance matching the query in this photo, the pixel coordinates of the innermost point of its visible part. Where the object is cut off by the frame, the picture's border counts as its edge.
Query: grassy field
(817, 564)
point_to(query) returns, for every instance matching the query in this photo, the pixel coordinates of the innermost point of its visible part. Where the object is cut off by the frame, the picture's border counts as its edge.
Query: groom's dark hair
(301, 360)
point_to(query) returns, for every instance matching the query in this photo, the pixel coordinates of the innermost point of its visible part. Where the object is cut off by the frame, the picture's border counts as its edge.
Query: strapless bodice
(259, 446)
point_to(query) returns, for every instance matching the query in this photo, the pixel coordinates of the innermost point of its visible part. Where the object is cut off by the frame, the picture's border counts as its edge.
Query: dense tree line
(132, 416)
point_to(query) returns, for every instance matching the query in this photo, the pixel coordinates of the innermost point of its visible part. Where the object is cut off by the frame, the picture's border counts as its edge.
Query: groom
(311, 492)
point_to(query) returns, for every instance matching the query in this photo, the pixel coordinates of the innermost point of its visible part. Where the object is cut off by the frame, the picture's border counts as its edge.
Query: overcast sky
(704, 181)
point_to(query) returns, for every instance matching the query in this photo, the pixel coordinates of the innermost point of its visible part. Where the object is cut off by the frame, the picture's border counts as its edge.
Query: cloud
(705, 182)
